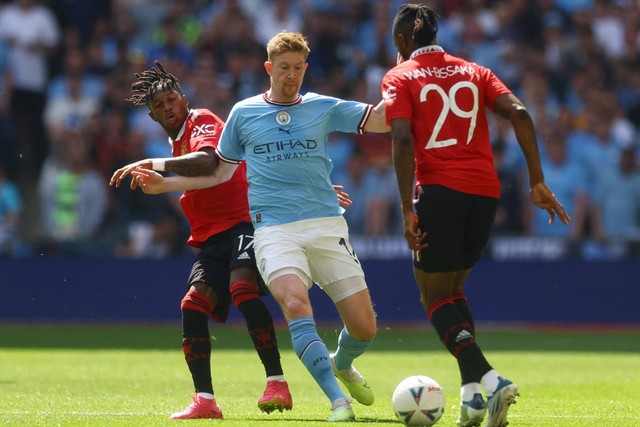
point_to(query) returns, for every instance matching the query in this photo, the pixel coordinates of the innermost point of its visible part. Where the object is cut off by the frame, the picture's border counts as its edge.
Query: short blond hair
(286, 41)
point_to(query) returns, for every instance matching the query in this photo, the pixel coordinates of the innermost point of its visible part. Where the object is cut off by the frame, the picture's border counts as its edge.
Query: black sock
(263, 334)
(196, 345)
(456, 335)
(460, 301)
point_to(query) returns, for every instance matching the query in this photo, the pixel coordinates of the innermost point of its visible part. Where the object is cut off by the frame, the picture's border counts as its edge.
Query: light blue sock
(314, 355)
(348, 349)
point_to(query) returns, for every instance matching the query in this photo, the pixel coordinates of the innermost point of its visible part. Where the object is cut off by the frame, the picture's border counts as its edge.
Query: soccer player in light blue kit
(301, 236)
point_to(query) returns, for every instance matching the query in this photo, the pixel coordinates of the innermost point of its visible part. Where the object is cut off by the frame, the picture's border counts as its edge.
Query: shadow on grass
(231, 337)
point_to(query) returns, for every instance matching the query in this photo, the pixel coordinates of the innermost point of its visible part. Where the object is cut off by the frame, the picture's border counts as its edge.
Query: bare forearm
(509, 107)
(525, 133)
(377, 121)
(223, 173)
(193, 164)
(199, 163)
(183, 183)
(153, 183)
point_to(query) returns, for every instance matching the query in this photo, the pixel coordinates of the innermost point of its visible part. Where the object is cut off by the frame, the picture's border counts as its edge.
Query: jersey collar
(426, 49)
(270, 101)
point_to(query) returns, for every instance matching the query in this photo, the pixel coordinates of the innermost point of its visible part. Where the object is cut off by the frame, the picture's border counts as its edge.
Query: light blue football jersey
(285, 148)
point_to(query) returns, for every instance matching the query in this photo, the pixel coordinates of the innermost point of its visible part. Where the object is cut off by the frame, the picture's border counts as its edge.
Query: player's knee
(196, 301)
(370, 331)
(243, 290)
(428, 298)
(294, 308)
(365, 331)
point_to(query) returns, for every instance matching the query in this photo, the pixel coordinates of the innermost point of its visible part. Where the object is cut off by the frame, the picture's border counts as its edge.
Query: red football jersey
(445, 98)
(218, 208)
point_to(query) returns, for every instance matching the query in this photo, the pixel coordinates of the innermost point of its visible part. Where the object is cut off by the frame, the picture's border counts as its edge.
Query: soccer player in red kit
(224, 271)
(435, 104)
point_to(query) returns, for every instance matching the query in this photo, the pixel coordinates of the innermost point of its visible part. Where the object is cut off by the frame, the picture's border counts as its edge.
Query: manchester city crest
(283, 118)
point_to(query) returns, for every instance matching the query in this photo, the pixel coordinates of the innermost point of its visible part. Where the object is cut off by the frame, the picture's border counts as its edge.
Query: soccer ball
(418, 401)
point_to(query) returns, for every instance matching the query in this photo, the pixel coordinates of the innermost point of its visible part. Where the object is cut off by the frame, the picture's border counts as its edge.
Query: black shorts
(458, 226)
(221, 253)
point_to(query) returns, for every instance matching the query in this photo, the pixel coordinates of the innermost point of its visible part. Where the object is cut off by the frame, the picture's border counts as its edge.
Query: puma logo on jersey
(206, 129)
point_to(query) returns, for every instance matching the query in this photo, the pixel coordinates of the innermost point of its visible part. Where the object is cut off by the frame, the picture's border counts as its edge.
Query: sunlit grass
(135, 376)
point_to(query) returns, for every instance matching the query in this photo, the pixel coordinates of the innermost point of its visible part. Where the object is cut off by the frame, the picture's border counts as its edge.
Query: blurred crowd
(66, 67)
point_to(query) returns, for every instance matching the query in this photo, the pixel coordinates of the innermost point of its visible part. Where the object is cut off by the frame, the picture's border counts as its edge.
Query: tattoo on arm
(200, 163)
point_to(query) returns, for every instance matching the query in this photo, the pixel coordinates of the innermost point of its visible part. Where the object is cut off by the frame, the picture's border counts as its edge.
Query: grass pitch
(136, 376)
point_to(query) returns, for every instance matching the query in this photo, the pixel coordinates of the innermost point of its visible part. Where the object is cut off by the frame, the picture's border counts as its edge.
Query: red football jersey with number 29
(218, 208)
(445, 98)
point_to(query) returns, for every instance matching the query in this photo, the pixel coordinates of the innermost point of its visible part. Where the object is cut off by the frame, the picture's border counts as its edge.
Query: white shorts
(316, 250)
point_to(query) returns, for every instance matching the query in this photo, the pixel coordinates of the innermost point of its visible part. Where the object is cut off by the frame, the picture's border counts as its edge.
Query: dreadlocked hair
(151, 81)
(420, 20)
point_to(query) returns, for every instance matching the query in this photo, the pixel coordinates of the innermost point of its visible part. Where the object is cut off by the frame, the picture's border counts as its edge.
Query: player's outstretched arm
(152, 182)
(377, 121)
(198, 163)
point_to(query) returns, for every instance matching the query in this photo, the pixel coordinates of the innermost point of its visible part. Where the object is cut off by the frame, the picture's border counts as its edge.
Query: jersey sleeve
(230, 147)
(347, 116)
(396, 99)
(494, 87)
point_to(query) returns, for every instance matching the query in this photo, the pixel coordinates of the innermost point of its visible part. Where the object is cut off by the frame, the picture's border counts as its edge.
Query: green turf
(135, 376)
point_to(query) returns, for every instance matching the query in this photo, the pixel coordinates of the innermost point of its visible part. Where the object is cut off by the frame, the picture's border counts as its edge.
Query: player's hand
(343, 198)
(122, 173)
(415, 237)
(543, 198)
(150, 181)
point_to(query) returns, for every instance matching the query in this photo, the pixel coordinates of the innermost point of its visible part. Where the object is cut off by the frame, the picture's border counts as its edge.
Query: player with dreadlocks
(436, 104)
(224, 270)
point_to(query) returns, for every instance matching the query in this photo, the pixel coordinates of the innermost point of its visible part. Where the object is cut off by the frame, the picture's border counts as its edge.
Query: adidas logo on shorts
(244, 255)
